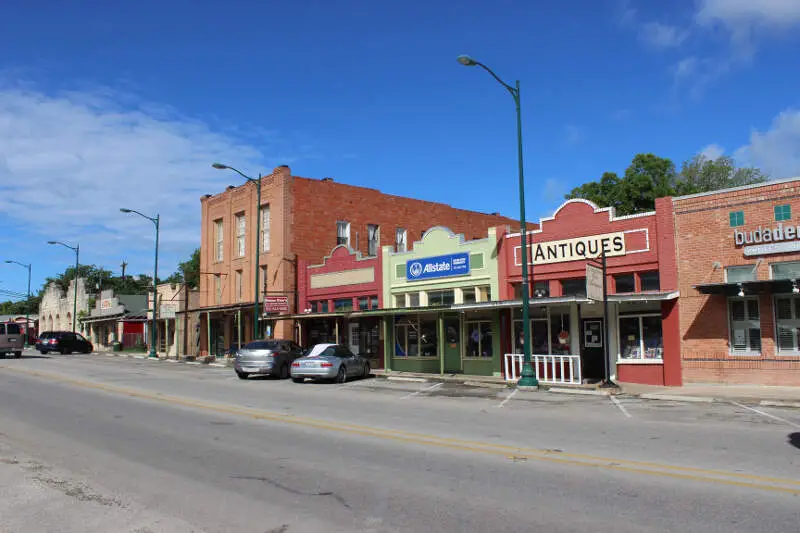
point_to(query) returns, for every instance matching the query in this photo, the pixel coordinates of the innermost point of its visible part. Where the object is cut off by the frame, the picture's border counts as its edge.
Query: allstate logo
(415, 269)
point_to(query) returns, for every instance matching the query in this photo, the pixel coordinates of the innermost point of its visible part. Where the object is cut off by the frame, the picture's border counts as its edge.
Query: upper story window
(446, 297)
(241, 225)
(783, 212)
(219, 240)
(265, 228)
(401, 240)
(786, 270)
(624, 283)
(736, 218)
(735, 274)
(650, 281)
(373, 239)
(574, 287)
(342, 233)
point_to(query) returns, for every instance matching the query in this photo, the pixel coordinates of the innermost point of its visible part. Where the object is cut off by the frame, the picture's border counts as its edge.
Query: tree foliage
(649, 177)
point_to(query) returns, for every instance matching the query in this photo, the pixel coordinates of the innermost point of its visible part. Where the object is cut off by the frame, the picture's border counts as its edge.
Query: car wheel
(242, 375)
(366, 370)
(64, 351)
(17, 354)
(283, 373)
(43, 352)
(87, 350)
(341, 377)
(298, 380)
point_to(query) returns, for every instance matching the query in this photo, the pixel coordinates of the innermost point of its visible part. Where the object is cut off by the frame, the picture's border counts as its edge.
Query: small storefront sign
(441, 266)
(594, 283)
(168, 310)
(276, 304)
(106, 303)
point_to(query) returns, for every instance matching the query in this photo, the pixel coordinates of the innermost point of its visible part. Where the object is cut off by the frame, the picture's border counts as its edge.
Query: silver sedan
(329, 361)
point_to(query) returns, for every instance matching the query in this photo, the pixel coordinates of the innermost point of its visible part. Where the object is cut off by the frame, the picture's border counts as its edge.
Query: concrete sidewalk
(710, 392)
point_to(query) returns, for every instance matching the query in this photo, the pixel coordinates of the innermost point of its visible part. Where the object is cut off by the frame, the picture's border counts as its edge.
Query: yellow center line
(791, 486)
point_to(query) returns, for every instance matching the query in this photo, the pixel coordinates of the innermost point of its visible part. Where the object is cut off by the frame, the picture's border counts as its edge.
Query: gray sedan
(266, 357)
(329, 361)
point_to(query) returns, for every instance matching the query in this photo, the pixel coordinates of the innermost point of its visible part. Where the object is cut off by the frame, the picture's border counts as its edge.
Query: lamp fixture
(741, 290)
(795, 290)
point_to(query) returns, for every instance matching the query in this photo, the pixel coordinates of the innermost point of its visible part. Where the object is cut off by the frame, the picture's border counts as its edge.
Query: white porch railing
(559, 369)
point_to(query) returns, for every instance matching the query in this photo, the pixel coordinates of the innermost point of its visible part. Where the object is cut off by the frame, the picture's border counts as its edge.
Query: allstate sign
(441, 266)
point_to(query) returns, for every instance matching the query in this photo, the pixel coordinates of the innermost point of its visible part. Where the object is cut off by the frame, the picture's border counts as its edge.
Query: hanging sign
(276, 304)
(594, 283)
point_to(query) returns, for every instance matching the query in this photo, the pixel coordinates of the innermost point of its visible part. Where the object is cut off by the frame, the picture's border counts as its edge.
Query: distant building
(56, 307)
(117, 318)
(175, 329)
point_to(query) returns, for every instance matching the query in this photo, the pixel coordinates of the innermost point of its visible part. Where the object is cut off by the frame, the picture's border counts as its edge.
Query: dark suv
(64, 342)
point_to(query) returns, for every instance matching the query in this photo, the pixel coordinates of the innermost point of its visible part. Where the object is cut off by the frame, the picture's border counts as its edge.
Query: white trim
(646, 240)
(610, 210)
(359, 255)
(734, 189)
(640, 361)
(639, 316)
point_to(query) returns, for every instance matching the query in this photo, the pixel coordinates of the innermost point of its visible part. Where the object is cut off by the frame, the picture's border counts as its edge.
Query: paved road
(92, 443)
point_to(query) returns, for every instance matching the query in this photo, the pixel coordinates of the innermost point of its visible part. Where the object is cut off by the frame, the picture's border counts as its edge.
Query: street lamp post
(220, 166)
(28, 301)
(77, 250)
(528, 378)
(155, 221)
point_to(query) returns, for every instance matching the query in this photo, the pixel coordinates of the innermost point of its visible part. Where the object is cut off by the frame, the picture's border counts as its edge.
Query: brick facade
(303, 216)
(705, 247)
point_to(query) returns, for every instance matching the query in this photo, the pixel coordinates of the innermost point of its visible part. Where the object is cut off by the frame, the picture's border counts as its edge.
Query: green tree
(190, 270)
(649, 177)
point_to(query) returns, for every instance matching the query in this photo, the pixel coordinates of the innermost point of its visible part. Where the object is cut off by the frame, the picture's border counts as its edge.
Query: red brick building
(301, 219)
(738, 254)
(567, 328)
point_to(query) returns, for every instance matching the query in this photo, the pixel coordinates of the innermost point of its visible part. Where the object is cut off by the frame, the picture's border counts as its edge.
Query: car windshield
(12, 329)
(261, 345)
(321, 350)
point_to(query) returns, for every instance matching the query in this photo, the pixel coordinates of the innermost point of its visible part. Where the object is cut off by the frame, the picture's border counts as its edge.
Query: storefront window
(787, 314)
(415, 338)
(650, 281)
(479, 339)
(624, 283)
(574, 287)
(368, 342)
(320, 331)
(745, 334)
(550, 334)
(344, 304)
(640, 337)
(363, 303)
(440, 298)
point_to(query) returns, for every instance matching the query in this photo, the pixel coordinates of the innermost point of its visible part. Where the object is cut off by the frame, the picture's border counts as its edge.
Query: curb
(218, 365)
(485, 385)
(402, 378)
(677, 398)
(582, 392)
(776, 403)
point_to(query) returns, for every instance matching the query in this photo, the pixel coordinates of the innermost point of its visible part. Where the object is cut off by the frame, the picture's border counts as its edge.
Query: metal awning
(335, 314)
(748, 287)
(654, 296)
(503, 304)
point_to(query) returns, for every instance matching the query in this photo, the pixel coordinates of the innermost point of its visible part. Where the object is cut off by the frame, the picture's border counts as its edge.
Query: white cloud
(777, 150)
(660, 35)
(750, 13)
(712, 151)
(69, 161)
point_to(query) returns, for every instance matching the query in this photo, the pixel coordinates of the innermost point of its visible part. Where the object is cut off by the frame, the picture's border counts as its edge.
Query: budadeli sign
(768, 240)
(441, 266)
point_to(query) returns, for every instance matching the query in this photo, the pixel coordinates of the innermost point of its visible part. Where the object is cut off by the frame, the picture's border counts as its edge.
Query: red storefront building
(738, 253)
(567, 327)
(336, 298)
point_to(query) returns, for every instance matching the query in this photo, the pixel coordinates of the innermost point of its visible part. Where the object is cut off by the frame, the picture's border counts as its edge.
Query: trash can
(116, 346)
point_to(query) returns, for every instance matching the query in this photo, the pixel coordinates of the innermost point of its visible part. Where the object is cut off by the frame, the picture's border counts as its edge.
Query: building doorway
(452, 346)
(592, 350)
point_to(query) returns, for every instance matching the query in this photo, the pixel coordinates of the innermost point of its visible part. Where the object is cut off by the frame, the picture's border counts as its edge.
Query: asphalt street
(93, 443)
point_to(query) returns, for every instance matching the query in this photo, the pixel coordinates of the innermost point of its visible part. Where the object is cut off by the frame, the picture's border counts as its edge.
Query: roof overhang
(747, 287)
(655, 296)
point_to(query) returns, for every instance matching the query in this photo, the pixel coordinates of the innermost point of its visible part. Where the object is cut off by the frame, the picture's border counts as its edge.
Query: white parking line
(508, 397)
(768, 415)
(621, 407)
(427, 389)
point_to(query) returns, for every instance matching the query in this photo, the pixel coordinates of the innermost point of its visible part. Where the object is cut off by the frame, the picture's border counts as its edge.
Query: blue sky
(104, 105)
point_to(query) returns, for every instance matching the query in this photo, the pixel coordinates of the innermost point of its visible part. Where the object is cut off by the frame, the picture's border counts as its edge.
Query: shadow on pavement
(794, 440)
(27, 357)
